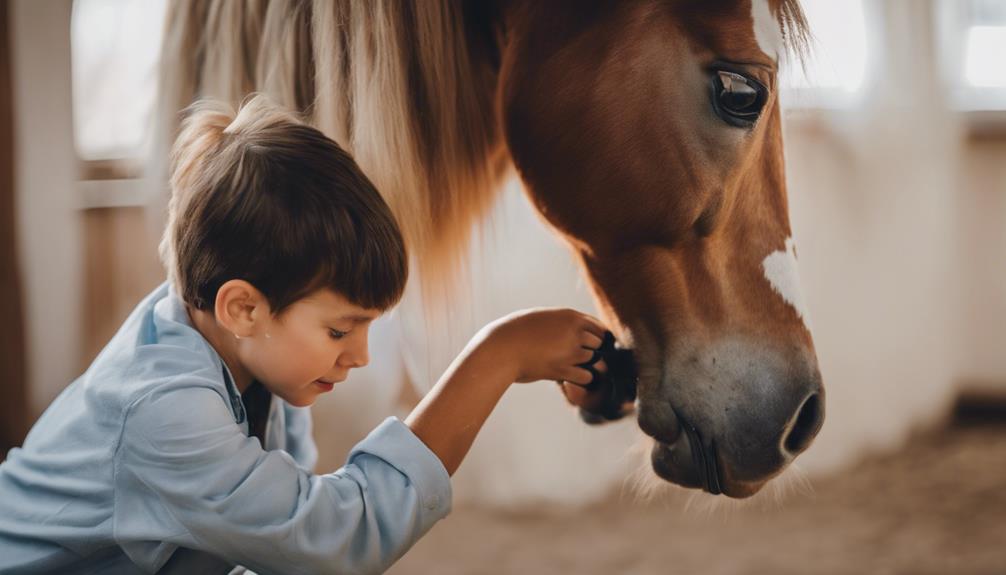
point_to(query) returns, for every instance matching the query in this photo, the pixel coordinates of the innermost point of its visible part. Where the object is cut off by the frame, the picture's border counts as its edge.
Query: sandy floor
(939, 506)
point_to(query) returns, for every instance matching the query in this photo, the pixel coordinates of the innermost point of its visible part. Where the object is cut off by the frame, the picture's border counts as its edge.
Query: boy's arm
(525, 346)
(186, 475)
(450, 416)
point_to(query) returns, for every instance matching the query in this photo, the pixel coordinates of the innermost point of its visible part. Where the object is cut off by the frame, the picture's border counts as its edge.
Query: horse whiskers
(706, 505)
(643, 487)
(702, 504)
(790, 483)
(640, 481)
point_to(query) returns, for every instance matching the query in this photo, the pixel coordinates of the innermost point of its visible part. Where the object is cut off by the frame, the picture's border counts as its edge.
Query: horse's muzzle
(689, 460)
(728, 417)
(742, 457)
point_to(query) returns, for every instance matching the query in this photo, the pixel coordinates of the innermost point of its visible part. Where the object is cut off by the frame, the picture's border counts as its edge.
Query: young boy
(186, 446)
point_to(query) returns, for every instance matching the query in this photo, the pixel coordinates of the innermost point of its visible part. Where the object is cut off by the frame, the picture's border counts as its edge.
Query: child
(186, 446)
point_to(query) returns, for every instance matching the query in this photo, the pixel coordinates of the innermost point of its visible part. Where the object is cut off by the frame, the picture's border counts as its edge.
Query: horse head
(648, 135)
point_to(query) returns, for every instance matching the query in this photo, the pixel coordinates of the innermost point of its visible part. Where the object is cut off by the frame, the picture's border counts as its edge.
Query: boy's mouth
(325, 385)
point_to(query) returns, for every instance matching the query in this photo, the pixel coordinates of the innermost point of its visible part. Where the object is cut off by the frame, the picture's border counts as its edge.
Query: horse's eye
(738, 100)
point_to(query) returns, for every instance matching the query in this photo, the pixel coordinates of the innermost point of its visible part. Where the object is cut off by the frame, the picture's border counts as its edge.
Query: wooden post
(13, 393)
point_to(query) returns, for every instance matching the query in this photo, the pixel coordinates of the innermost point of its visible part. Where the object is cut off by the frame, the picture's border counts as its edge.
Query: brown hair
(260, 196)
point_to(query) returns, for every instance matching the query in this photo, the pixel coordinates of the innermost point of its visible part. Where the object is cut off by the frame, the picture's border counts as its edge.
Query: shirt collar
(176, 328)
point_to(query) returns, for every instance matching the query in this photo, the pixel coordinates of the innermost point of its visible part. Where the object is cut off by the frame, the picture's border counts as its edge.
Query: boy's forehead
(335, 306)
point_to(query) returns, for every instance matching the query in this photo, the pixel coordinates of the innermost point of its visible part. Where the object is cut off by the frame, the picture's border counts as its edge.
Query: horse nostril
(808, 423)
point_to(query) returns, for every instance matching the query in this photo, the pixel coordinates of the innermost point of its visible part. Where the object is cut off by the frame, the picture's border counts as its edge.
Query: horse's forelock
(795, 30)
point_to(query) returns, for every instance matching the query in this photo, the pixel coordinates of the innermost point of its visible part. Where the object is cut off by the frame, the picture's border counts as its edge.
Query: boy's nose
(355, 356)
(359, 360)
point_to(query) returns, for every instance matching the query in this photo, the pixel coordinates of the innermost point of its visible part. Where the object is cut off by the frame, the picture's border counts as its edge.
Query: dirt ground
(938, 506)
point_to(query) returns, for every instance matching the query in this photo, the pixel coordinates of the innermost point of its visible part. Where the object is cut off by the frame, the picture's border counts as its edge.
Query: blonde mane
(394, 83)
(795, 30)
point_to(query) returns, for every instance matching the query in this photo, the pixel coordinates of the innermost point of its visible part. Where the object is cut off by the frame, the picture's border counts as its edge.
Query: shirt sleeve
(299, 442)
(186, 471)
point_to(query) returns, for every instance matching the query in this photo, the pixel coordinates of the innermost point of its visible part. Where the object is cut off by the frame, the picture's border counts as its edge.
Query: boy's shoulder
(155, 351)
(153, 361)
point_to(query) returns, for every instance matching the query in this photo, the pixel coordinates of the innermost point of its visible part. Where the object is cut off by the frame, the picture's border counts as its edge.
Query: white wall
(874, 199)
(49, 230)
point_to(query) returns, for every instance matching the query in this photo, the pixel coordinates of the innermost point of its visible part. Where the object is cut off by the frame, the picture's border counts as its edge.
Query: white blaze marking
(767, 31)
(781, 272)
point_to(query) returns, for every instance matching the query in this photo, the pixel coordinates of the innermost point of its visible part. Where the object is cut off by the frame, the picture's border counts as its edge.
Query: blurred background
(896, 161)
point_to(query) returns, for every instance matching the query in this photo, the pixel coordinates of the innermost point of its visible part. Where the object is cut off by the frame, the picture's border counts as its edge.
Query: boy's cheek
(294, 368)
(289, 365)
(270, 365)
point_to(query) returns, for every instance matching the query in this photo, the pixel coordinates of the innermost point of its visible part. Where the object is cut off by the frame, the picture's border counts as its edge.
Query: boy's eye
(336, 334)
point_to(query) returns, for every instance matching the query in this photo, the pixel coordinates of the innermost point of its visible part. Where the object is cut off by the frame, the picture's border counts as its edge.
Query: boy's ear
(240, 307)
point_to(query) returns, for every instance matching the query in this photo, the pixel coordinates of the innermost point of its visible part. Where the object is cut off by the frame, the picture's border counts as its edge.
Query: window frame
(829, 98)
(982, 109)
(113, 181)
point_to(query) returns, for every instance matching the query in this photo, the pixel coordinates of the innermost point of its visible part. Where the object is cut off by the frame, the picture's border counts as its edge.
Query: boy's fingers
(583, 355)
(597, 328)
(575, 394)
(600, 366)
(594, 326)
(577, 375)
(580, 397)
(590, 340)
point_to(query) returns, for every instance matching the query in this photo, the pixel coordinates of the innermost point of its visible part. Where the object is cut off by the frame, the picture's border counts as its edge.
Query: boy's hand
(612, 394)
(521, 347)
(548, 344)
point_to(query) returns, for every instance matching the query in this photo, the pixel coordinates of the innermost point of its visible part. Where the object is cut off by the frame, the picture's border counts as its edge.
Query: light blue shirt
(144, 464)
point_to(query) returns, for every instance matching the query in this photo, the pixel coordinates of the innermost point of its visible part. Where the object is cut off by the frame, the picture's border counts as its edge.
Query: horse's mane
(795, 30)
(403, 86)
(405, 73)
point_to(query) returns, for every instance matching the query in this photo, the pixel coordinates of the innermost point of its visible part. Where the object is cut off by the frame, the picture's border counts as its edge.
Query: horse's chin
(742, 490)
(677, 464)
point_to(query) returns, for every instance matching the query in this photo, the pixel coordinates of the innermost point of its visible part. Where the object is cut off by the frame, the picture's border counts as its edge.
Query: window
(984, 54)
(114, 47)
(836, 65)
(971, 35)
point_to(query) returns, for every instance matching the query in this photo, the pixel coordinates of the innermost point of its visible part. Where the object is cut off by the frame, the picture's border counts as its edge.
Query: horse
(646, 134)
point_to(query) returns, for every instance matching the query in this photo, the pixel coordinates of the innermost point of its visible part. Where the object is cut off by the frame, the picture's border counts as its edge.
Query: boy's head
(261, 201)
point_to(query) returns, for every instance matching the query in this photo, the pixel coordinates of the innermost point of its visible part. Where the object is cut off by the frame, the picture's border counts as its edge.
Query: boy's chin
(301, 400)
